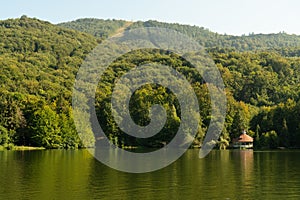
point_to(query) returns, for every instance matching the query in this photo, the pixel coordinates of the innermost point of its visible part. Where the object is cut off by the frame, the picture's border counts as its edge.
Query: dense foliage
(39, 62)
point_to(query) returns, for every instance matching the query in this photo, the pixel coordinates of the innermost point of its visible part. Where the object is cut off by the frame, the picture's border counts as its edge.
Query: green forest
(39, 62)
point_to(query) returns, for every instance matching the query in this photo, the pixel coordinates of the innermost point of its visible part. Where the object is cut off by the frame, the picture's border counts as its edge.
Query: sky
(233, 17)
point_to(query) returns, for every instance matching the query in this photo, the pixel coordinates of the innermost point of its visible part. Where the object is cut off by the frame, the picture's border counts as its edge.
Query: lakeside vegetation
(20, 148)
(39, 62)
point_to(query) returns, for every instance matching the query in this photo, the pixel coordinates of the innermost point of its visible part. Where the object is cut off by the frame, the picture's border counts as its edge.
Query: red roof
(243, 138)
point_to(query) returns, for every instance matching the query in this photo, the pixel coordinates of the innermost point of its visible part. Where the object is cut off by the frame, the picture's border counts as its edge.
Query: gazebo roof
(243, 138)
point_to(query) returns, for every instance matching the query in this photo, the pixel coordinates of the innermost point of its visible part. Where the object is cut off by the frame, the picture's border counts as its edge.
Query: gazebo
(244, 141)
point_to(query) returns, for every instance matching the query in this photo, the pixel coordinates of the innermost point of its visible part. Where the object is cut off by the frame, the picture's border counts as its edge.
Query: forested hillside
(39, 61)
(96, 27)
(103, 28)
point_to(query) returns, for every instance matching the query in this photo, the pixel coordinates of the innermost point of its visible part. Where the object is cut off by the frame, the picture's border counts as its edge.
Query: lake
(75, 174)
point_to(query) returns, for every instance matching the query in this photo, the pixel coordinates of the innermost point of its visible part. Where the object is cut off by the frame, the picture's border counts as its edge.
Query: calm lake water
(67, 174)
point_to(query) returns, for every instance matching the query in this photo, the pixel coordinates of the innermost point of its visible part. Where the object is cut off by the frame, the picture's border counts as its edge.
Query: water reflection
(43, 174)
(137, 161)
(60, 174)
(245, 158)
(247, 178)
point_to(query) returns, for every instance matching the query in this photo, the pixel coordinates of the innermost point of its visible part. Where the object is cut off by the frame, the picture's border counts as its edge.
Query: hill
(39, 62)
(104, 28)
(97, 27)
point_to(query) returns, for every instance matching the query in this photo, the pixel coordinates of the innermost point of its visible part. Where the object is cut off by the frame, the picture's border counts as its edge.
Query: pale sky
(224, 16)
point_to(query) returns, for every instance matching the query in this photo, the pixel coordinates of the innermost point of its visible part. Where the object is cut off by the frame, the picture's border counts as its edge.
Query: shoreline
(30, 148)
(21, 148)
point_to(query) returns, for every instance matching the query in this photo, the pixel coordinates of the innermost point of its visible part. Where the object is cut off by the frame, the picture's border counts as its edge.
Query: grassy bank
(20, 148)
